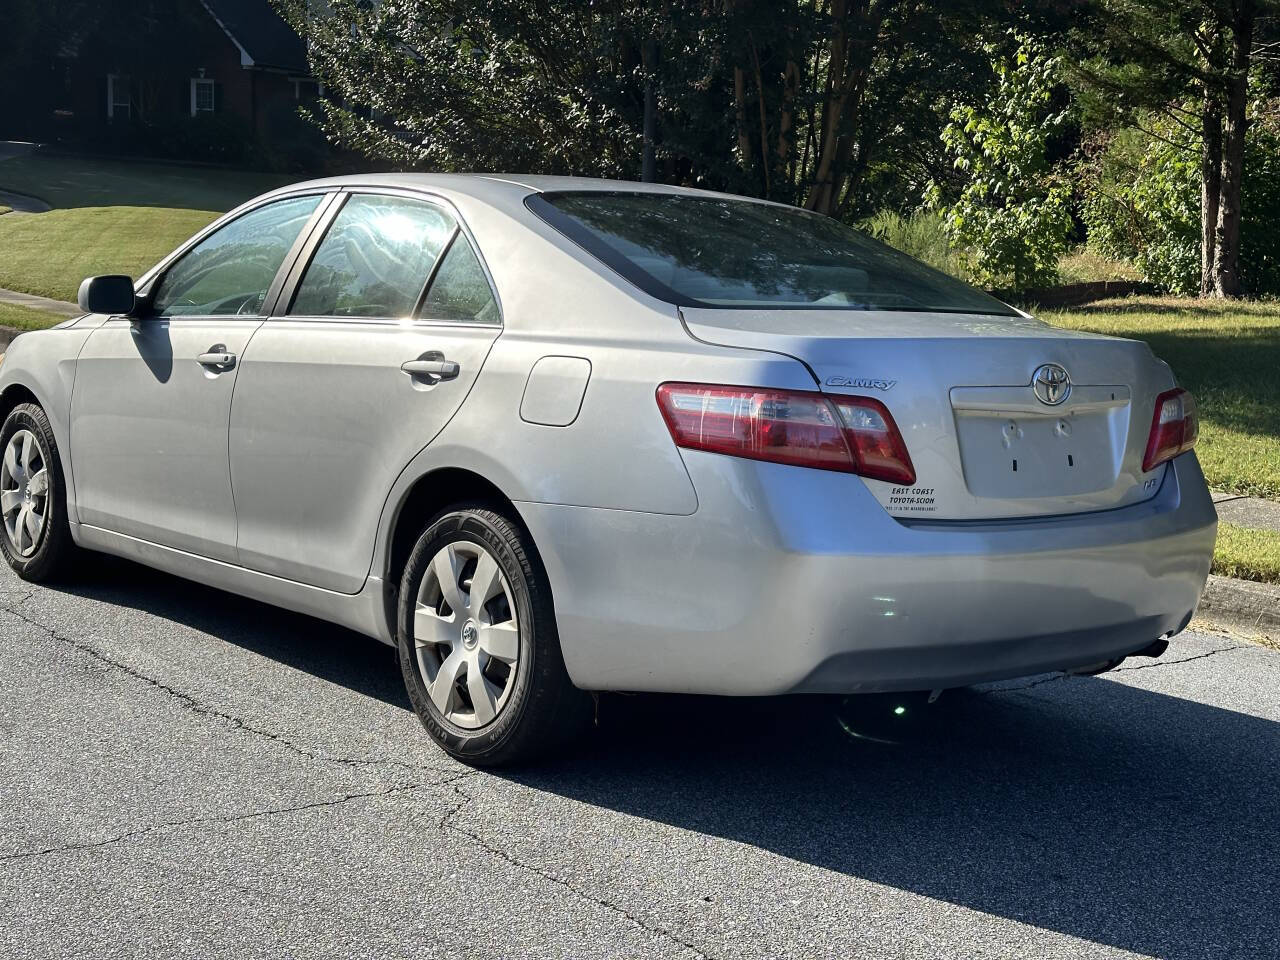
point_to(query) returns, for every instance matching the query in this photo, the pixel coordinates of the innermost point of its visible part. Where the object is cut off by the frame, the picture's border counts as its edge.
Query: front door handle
(440, 369)
(218, 359)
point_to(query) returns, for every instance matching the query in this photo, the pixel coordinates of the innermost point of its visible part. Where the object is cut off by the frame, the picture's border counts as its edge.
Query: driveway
(20, 202)
(187, 773)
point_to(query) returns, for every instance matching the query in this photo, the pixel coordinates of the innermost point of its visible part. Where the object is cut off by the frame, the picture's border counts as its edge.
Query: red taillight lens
(1174, 428)
(851, 434)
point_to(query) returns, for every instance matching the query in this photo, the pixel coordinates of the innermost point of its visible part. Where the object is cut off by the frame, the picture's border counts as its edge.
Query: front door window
(229, 272)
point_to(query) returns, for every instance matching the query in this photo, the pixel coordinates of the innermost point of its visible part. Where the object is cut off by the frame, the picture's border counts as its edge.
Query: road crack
(1170, 663)
(199, 821)
(198, 707)
(1142, 666)
(447, 823)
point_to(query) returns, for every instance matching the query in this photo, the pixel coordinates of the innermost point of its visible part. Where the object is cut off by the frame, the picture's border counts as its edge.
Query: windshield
(722, 252)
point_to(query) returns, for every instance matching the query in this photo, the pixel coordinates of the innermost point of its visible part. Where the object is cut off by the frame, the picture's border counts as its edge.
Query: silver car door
(152, 395)
(392, 318)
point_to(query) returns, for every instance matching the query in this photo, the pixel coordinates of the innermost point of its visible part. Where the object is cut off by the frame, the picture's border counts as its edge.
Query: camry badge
(861, 383)
(1051, 383)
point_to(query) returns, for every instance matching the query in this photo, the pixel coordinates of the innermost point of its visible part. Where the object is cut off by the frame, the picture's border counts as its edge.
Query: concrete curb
(1243, 605)
(1252, 513)
(6, 336)
(31, 301)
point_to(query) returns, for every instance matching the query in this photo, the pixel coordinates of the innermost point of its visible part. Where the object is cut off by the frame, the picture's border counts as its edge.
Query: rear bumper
(789, 580)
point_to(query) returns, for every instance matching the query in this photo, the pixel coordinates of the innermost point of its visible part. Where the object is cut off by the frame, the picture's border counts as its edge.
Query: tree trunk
(1210, 186)
(1226, 270)
(786, 119)
(821, 197)
(740, 112)
(648, 160)
(764, 119)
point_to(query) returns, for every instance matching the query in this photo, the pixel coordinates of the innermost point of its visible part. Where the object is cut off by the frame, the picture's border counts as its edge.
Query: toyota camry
(550, 436)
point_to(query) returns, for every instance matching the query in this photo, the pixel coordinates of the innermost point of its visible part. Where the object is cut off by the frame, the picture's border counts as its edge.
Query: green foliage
(835, 106)
(1142, 202)
(921, 234)
(1011, 217)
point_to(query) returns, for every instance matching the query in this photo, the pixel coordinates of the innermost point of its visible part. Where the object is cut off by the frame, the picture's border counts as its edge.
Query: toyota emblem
(1051, 383)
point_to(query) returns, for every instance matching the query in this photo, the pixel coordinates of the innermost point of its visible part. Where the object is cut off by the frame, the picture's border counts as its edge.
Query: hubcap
(24, 492)
(465, 635)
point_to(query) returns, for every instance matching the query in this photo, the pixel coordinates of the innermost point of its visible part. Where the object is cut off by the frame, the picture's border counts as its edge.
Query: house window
(201, 96)
(118, 102)
(306, 89)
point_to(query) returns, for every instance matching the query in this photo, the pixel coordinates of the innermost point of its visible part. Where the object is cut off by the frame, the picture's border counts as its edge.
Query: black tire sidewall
(52, 544)
(475, 526)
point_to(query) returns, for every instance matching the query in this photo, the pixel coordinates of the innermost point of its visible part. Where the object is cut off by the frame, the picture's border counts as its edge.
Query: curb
(6, 336)
(1241, 604)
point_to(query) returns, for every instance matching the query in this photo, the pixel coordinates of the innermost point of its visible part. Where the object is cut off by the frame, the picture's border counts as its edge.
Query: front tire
(35, 537)
(478, 645)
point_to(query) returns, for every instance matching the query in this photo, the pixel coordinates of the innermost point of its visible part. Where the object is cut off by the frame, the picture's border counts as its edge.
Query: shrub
(1011, 218)
(1142, 203)
(921, 234)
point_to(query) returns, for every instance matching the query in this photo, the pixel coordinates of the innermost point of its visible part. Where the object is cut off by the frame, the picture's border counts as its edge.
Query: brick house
(200, 79)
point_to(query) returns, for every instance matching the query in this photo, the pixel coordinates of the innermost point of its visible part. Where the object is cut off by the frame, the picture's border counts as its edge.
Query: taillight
(1174, 428)
(850, 434)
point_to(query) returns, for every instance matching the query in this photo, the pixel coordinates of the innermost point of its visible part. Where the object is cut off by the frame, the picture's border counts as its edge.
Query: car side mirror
(110, 294)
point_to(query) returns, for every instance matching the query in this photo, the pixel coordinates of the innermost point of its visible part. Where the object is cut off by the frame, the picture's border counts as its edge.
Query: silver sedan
(550, 436)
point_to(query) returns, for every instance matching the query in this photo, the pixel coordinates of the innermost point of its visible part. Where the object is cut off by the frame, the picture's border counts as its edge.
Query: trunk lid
(960, 387)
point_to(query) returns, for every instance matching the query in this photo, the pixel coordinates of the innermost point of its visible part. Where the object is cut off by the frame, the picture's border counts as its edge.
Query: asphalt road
(184, 773)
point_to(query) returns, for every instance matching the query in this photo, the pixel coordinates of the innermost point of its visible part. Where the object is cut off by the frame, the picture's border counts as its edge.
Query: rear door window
(460, 291)
(375, 260)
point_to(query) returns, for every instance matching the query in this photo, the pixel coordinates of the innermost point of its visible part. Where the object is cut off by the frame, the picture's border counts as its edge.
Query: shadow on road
(1129, 818)
(321, 649)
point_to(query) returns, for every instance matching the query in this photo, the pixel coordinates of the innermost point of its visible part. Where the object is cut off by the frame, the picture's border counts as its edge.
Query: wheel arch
(14, 395)
(19, 391)
(430, 495)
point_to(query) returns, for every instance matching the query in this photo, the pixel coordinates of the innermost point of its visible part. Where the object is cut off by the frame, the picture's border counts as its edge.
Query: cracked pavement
(186, 773)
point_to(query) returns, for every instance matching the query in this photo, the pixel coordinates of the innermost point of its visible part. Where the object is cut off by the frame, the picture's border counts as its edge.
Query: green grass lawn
(50, 253)
(68, 181)
(1083, 265)
(110, 216)
(1247, 554)
(1228, 355)
(24, 318)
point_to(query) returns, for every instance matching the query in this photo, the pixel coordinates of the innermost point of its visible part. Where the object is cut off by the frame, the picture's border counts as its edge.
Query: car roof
(496, 188)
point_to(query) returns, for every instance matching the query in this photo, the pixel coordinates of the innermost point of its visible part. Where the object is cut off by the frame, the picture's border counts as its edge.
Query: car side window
(460, 290)
(230, 271)
(374, 260)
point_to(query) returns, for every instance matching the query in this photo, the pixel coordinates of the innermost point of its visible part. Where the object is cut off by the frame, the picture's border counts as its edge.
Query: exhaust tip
(1156, 648)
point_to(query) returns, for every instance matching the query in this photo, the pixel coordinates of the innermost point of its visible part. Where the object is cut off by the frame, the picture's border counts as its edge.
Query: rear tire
(35, 537)
(484, 673)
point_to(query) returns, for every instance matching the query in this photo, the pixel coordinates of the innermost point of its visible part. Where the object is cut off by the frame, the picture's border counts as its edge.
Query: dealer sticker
(913, 499)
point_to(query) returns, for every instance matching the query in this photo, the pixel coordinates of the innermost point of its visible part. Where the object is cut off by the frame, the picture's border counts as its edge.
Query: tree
(1011, 219)
(1188, 61)
(1143, 198)
(804, 101)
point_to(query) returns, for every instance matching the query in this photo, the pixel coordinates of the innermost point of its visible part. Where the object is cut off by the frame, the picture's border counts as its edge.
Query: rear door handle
(218, 359)
(441, 369)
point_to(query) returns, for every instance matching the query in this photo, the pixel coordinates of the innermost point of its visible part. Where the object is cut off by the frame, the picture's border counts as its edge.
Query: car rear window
(723, 252)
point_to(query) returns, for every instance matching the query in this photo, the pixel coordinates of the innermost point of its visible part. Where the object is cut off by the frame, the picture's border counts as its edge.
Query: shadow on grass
(1235, 379)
